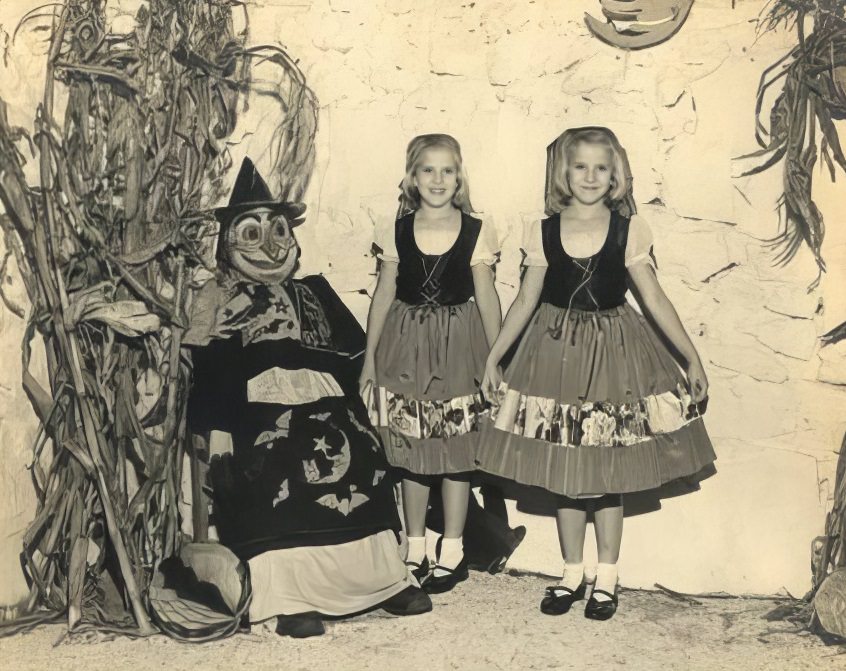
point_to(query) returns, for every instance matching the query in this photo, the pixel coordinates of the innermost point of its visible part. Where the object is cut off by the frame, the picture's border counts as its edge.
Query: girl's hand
(698, 381)
(366, 381)
(491, 379)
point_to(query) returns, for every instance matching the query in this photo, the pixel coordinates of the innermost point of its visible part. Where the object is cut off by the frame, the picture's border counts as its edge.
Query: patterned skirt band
(426, 403)
(427, 419)
(593, 403)
(592, 424)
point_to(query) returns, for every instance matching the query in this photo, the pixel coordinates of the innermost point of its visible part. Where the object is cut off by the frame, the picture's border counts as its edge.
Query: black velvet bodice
(430, 279)
(594, 283)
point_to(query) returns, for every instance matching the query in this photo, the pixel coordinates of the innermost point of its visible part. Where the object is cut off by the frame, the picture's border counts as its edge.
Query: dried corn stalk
(812, 77)
(111, 245)
(831, 548)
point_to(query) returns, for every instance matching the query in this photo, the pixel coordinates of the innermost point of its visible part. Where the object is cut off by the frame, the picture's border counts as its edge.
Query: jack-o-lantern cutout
(639, 24)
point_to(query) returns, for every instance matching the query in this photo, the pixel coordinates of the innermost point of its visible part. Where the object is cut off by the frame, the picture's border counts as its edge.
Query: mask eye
(248, 233)
(279, 228)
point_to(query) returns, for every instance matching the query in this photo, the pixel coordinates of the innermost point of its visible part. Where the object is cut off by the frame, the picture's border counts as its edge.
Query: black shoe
(484, 559)
(411, 601)
(517, 536)
(301, 625)
(438, 584)
(558, 599)
(419, 571)
(601, 610)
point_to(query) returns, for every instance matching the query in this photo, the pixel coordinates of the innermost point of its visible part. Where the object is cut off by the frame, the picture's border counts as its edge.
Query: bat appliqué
(344, 505)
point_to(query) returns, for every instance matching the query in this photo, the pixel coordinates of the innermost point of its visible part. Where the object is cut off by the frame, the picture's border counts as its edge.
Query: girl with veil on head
(592, 405)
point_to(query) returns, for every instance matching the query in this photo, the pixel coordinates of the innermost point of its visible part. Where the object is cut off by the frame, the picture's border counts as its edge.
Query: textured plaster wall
(506, 78)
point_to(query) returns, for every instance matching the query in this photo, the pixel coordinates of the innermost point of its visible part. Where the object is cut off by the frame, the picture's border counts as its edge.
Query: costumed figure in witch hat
(298, 473)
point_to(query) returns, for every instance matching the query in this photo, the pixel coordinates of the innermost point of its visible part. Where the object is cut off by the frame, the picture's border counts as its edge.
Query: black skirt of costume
(593, 402)
(307, 468)
(431, 357)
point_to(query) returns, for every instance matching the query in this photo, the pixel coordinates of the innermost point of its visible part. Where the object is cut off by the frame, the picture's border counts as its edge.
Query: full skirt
(426, 404)
(593, 403)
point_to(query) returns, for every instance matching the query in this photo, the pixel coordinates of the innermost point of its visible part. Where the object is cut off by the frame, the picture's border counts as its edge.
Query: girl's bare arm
(383, 296)
(518, 316)
(655, 301)
(488, 301)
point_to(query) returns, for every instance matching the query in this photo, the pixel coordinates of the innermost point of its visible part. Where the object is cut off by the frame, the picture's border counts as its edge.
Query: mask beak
(272, 250)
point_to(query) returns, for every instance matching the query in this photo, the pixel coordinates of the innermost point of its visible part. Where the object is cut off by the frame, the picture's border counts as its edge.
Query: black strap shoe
(438, 584)
(558, 599)
(420, 571)
(601, 610)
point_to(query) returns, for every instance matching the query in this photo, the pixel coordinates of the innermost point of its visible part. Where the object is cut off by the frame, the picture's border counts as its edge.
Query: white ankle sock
(416, 549)
(606, 579)
(452, 552)
(573, 575)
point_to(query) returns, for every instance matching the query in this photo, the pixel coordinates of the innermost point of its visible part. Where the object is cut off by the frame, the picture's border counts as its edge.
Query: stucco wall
(506, 78)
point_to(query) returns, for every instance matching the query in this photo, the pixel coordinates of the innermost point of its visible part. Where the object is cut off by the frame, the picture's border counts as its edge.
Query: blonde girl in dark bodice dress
(592, 405)
(434, 314)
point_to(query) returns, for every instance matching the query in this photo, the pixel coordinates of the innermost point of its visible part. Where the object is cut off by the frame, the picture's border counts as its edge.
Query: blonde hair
(558, 155)
(410, 197)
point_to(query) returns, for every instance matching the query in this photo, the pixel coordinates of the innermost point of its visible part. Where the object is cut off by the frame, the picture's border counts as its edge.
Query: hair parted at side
(409, 199)
(558, 192)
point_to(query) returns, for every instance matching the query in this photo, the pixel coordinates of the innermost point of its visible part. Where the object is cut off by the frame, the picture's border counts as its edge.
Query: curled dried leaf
(129, 318)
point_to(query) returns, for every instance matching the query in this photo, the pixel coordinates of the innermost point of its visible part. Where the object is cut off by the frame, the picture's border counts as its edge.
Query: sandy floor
(489, 622)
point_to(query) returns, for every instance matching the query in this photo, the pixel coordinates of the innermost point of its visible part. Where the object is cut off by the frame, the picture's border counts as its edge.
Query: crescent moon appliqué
(340, 461)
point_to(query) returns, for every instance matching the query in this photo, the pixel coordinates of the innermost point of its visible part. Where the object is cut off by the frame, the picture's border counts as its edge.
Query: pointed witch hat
(251, 192)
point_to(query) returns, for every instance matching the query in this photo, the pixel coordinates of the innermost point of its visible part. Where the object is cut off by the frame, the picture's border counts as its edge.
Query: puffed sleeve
(487, 246)
(533, 245)
(639, 244)
(384, 240)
